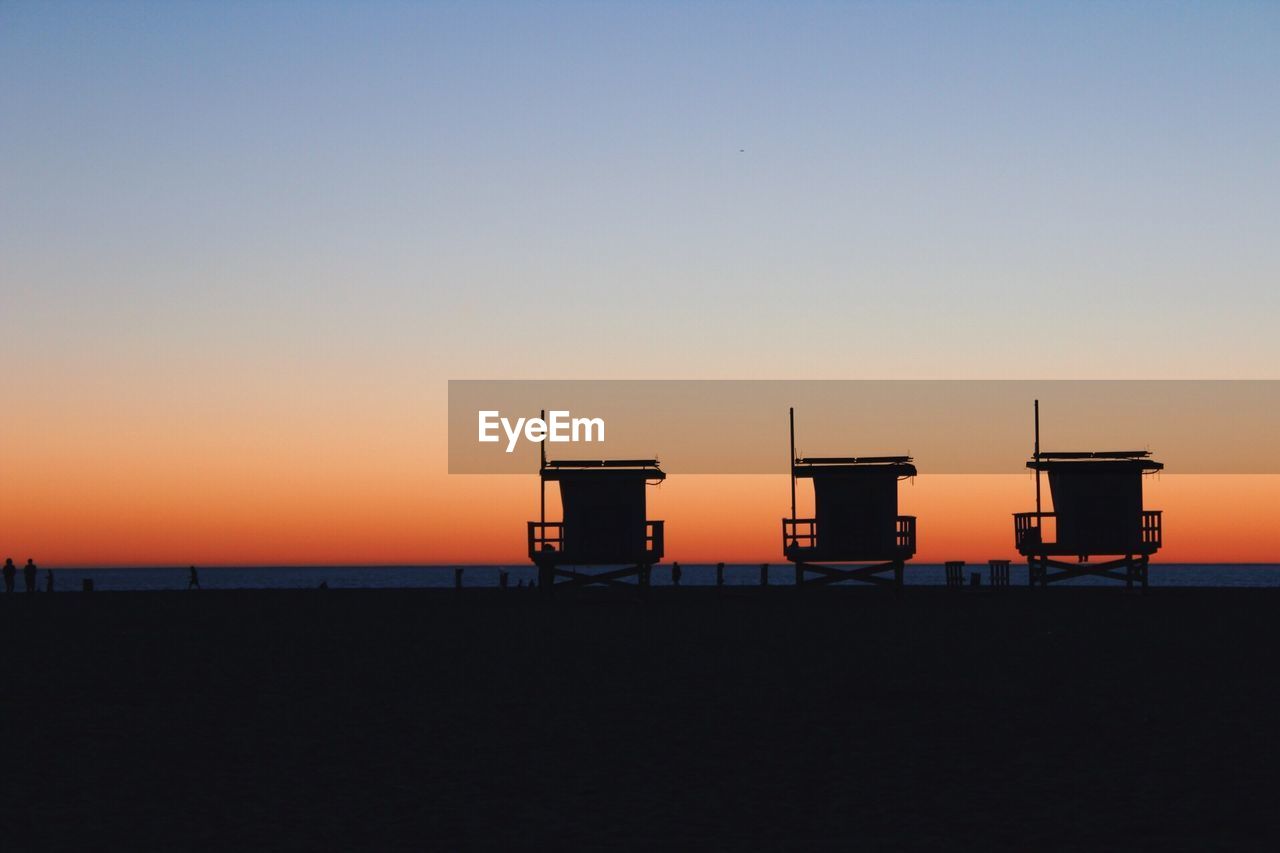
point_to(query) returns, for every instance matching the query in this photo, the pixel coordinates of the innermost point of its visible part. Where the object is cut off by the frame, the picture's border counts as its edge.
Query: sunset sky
(243, 248)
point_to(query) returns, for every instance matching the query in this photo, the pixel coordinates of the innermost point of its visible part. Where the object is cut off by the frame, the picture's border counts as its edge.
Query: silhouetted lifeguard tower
(604, 524)
(855, 519)
(1097, 502)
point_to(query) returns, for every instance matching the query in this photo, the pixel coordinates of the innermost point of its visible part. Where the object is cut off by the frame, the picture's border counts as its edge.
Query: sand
(1018, 719)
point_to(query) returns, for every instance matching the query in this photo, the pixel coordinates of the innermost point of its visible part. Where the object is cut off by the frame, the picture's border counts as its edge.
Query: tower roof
(1095, 460)
(825, 466)
(568, 469)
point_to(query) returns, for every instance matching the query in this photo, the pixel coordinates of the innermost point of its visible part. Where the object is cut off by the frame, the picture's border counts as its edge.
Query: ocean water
(408, 577)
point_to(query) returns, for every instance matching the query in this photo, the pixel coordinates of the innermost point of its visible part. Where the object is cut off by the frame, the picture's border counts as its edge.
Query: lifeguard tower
(855, 520)
(1097, 502)
(604, 536)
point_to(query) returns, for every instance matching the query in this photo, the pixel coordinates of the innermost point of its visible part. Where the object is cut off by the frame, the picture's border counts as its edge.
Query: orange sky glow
(228, 515)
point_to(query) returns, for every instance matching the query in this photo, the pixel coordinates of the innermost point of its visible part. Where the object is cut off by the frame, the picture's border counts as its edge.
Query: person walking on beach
(48, 580)
(193, 579)
(10, 570)
(676, 574)
(29, 574)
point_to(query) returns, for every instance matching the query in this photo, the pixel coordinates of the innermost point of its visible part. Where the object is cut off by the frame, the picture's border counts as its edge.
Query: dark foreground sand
(1057, 719)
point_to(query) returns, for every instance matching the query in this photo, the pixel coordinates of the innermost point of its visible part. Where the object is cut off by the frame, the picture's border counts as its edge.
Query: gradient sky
(244, 245)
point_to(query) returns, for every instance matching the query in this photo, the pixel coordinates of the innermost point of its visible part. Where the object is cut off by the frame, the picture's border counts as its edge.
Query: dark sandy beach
(1019, 719)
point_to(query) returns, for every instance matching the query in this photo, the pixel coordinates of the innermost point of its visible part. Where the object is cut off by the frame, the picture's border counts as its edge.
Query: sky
(244, 246)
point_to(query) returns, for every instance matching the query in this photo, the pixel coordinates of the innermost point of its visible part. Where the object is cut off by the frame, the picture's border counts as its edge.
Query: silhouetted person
(193, 579)
(502, 580)
(676, 574)
(29, 574)
(48, 580)
(10, 570)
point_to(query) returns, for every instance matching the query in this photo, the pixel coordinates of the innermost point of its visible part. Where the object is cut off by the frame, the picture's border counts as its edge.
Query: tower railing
(803, 533)
(1028, 528)
(548, 537)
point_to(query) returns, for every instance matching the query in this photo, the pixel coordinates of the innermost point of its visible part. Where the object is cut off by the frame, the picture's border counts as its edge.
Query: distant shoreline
(521, 575)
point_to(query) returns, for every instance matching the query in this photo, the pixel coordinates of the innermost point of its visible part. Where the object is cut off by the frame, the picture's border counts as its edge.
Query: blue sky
(430, 190)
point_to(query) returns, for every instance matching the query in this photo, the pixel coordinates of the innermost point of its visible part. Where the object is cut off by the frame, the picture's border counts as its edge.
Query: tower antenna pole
(792, 465)
(1037, 458)
(542, 480)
